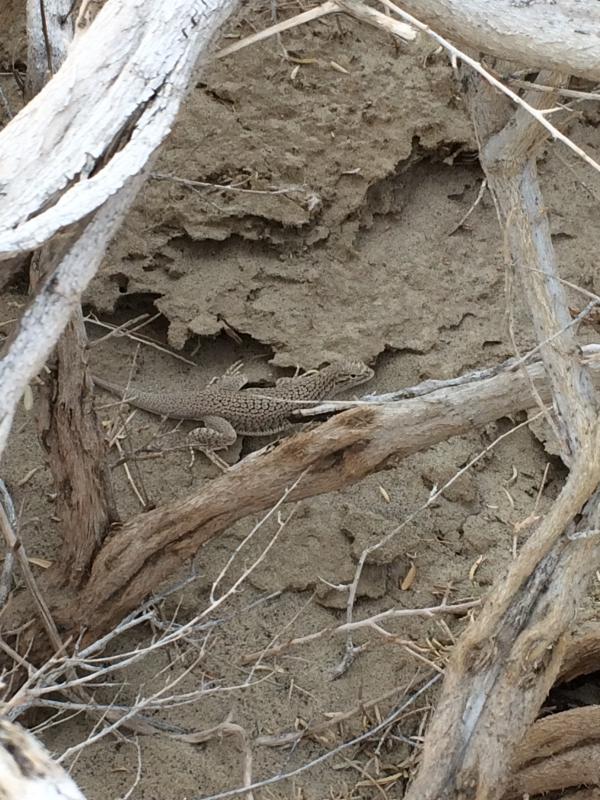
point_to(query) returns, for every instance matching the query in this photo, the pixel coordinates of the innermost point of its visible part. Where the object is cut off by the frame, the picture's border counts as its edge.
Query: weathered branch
(49, 34)
(102, 115)
(149, 548)
(67, 423)
(559, 752)
(58, 297)
(508, 159)
(564, 35)
(583, 654)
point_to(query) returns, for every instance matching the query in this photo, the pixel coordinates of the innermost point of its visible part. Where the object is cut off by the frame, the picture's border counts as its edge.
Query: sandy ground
(340, 239)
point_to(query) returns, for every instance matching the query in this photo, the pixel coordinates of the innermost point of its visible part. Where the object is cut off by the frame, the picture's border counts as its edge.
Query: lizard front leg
(233, 378)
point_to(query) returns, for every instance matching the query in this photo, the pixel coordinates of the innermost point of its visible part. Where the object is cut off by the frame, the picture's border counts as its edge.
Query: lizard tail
(147, 401)
(113, 388)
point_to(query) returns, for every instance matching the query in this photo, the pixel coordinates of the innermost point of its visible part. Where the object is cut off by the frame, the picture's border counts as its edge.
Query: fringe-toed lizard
(228, 410)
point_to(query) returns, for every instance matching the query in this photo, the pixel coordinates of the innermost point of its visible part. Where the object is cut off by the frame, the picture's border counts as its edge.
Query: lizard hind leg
(217, 435)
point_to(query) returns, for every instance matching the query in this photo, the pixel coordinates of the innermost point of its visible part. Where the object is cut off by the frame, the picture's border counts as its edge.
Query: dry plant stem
(9, 557)
(393, 613)
(505, 663)
(68, 427)
(314, 729)
(394, 715)
(356, 8)
(16, 546)
(227, 728)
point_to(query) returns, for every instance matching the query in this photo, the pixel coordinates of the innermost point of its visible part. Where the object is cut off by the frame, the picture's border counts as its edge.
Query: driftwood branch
(561, 36)
(560, 751)
(49, 34)
(148, 549)
(68, 427)
(508, 158)
(57, 298)
(102, 115)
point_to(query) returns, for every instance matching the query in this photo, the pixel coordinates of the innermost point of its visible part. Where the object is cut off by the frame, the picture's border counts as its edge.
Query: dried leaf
(384, 494)
(409, 578)
(339, 68)
(40, 562)
(28, 398)
(475, 567)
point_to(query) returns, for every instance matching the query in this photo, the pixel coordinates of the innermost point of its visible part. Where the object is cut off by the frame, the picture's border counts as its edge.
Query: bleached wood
(59, 296)
(48, 39)
(508, 157)
(26, 770)
(561, 35)
(122, 83)
(507, 660)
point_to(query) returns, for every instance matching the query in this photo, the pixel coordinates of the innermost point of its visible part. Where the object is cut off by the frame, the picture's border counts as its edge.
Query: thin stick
(46, 37)
(369, 622)
(330, 7)
(355, 8)
(15, 545)
(231, 188)
(9, 558)
(391, 717)
(143, 340)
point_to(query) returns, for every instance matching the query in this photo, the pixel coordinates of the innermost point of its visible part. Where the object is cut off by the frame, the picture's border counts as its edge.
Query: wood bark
(559, 752)
(50, 27)
(67, 423)
(71, 434)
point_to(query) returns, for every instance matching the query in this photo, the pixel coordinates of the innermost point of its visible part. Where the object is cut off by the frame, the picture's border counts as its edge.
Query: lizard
(228, 410)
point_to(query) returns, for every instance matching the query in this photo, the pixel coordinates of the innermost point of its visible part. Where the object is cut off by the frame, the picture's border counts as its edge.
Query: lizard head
(348, 373)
